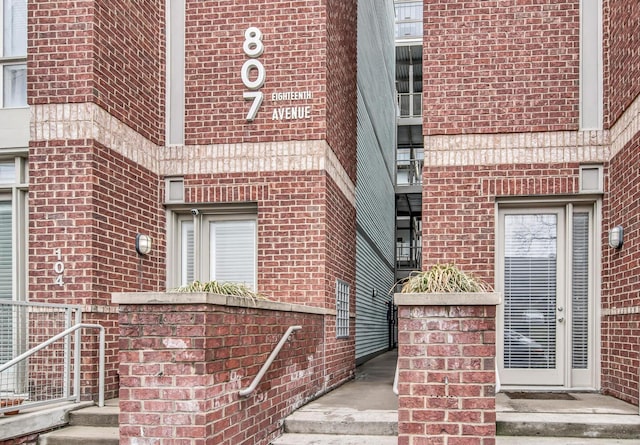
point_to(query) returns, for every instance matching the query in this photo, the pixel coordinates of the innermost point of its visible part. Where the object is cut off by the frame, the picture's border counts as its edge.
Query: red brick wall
(103, 52)
(82, 202)
(129, 64)
(459, 214)
(294, 59)
(60, 39)
(501, 66)
(620, 272)
(306, 240)
(341, 260)
(182, 367)
(306, 230)
(621, 57)
(446, 382)
(341, 81)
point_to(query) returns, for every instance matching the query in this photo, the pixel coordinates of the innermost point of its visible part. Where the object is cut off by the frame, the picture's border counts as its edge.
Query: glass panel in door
(531, 338)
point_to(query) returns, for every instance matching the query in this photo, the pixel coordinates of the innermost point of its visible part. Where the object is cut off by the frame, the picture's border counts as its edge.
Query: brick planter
(446, 358)
(185, 357)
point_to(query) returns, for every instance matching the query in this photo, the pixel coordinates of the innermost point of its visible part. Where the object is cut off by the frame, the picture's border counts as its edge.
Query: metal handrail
(246, 392)
(57, 337)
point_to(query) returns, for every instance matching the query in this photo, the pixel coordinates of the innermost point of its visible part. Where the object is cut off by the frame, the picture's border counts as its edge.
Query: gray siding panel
(375, 198)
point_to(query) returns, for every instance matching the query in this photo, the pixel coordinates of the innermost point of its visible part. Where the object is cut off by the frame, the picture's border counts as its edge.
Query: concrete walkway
(370, 396)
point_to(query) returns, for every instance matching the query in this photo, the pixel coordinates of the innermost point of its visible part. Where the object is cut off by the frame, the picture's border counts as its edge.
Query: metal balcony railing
(408, 256)
(409, 171)
(40, 354)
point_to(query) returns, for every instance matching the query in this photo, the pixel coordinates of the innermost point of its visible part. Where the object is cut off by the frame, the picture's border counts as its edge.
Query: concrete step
(107, 416)
(592, 426)
(343, 421)
(81, 435)
(88, 426)
(333, 439)
(523, 440)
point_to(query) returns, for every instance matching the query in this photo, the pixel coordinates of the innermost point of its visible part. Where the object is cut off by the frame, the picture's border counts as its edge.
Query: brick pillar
(185, 357)
(446, 356)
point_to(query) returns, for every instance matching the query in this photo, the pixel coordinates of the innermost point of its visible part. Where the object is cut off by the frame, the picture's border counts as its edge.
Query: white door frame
(576, 379)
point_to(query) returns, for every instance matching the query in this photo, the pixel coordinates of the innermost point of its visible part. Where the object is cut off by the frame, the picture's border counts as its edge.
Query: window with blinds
(6, 281)
(233, 251)
(187, 253)
(215, 247)
(530, 270)
(580, 292)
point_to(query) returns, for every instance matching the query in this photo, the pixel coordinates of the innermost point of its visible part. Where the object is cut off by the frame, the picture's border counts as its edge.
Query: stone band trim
(78, 121)
(517, 148)
(98, 309)
(256, 157)
(596, 146)
(626, 127)
(621, 311)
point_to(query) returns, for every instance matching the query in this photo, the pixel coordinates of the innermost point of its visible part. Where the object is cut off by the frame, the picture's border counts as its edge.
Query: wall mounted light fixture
(143, 244)
(616, 237)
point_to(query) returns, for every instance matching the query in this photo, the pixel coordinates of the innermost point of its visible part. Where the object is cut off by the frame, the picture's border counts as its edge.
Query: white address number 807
(253, 47)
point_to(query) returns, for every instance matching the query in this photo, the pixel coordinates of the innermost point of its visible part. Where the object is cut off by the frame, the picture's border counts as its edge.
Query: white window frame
(6, 61)
(175, 88)
(16, 193)
(200, 218)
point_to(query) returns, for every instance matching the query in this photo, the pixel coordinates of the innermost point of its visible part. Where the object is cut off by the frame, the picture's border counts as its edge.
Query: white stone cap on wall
(449, 299)
(176, 298)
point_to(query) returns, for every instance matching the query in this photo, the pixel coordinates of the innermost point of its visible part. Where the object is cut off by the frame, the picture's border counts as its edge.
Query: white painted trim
(591, 65)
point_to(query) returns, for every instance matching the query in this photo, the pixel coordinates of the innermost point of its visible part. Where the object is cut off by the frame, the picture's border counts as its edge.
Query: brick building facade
(530, 124)
(200, 122)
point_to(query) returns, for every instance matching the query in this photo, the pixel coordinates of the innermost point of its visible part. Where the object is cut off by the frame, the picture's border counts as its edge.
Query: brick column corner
(446, 359)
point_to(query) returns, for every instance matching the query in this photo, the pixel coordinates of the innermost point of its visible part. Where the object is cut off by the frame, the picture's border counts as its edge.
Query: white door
(545, 323)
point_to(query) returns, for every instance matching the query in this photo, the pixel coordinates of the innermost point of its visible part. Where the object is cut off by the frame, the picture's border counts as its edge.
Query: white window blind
(14, 28)
(233, 251)
(580, 291)
(187, 253)
(530, 291)
(6, 282)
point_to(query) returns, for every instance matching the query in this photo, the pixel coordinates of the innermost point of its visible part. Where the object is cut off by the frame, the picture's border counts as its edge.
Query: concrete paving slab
(324, 439)
(521, 440)
(614, 426)
(372, 388)
(81, 435)
(583, 403)
(343, 421)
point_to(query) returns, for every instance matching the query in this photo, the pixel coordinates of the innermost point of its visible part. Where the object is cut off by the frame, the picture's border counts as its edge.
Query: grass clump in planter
(442, 278)
(216, 287)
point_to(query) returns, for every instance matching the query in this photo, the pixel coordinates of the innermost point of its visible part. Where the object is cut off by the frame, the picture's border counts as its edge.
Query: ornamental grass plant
(215, 287)
(442, 278)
